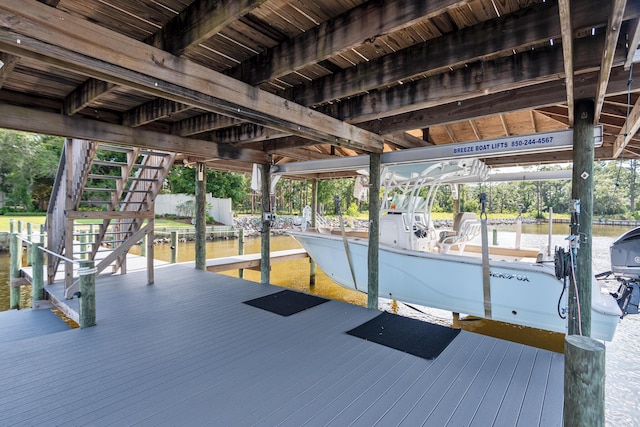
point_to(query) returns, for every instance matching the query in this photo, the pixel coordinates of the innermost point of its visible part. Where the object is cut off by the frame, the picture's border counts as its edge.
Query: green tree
(27, 160)
(219, 184)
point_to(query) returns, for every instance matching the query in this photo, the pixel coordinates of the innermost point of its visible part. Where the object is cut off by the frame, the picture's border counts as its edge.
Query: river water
(622, 355)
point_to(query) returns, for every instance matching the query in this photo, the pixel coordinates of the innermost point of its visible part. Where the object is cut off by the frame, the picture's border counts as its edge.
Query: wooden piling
(143, 246)
(314, 218)
(241, 250)
(87, 300)
(201, 216)
(265, 234)
(582, 190)
(495, 237)
(374, 230)
(584, 384)
(174, 247)
(29, 241)
(148, 244)
(83, 244)
(37, 276)
(15, 249)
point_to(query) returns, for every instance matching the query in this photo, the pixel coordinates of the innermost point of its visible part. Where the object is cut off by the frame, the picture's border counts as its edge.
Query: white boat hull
(521, 293)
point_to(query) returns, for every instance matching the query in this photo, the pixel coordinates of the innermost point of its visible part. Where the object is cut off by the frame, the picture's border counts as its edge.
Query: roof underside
(235, 82)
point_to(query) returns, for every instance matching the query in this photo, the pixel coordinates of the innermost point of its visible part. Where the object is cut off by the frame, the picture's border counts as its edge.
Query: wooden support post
(201, 217)
(42, 234)
(265, 233)
(29, 242)
(15, 249)
(19, 226)
(148, 243)
(87, 300)
(37, 276)
(495, 237)
(174, 247)
(83, 244)
(314, 218)
(143, 246)
(241, 250)
(584, 384)
(374, 229)
(582, 190)
(12, 226)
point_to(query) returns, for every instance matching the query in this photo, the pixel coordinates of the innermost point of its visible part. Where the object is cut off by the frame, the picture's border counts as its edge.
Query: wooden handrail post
(37, 282)
(15, 249)
(87, 294)
(83, 244)
(174, 247)
(28, 245)
(241, 250)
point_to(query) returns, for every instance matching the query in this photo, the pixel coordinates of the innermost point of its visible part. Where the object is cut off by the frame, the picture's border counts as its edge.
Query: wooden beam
(364, 22)
(245, 134)
(8, 64)
(73, 215)
(133, 64)
(505, 128)
(203, 123)
(567, 48)
(152, 111)
(612, 35)
(199, 22)
(476, 131)
(476, 80)
(628, 131)
(634, 40)
(535, 96)
(533, 25)
(19, 118)
(85, 94)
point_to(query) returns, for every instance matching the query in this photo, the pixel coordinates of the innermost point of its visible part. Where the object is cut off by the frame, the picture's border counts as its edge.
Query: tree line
(29, 163)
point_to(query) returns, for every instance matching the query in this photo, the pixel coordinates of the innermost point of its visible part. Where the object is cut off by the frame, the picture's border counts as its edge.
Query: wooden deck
(187, 351)
(252, 261)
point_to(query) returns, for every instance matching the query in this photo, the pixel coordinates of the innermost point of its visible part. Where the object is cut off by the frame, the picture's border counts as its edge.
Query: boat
(444, 270)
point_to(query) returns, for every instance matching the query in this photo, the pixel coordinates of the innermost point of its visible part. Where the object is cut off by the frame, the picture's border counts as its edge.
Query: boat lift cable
(336, 202)
(486, 276)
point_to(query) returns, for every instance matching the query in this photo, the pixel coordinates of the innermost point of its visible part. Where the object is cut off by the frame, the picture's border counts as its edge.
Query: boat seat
(466, 226)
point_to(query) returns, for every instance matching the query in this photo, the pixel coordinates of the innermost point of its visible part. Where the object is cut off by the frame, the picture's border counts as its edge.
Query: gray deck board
(187, 351)
(17, 325)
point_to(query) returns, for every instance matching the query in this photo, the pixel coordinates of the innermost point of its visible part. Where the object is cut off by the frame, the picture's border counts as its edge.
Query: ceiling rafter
(134, 64)
(529, 67)
(8, 64)
(342, 33)
(628, 131)
(535, 96)
(20, 118)
(564, 12)
(612, 36)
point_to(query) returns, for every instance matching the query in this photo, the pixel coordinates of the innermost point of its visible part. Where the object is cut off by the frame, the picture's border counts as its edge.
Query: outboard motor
(625, 265)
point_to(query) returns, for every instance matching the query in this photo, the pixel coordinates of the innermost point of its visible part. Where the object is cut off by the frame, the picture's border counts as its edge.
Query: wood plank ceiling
(234, 82)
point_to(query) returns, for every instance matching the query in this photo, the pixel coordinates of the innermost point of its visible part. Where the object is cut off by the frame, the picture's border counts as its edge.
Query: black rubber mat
(412, 336)
(286, 303)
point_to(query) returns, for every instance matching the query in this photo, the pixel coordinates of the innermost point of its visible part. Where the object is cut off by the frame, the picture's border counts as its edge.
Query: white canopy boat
(442, 270)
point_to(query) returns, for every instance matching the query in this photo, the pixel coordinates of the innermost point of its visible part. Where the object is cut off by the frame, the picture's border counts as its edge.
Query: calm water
(623, 353)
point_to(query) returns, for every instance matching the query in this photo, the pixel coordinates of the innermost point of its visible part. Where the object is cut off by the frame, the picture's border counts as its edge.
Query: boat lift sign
(509, 146)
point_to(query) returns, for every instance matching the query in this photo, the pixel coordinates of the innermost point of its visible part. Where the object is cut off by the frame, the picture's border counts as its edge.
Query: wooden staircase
(113, 188)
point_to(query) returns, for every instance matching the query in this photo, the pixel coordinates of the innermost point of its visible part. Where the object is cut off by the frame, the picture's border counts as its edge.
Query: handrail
(74, 261)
